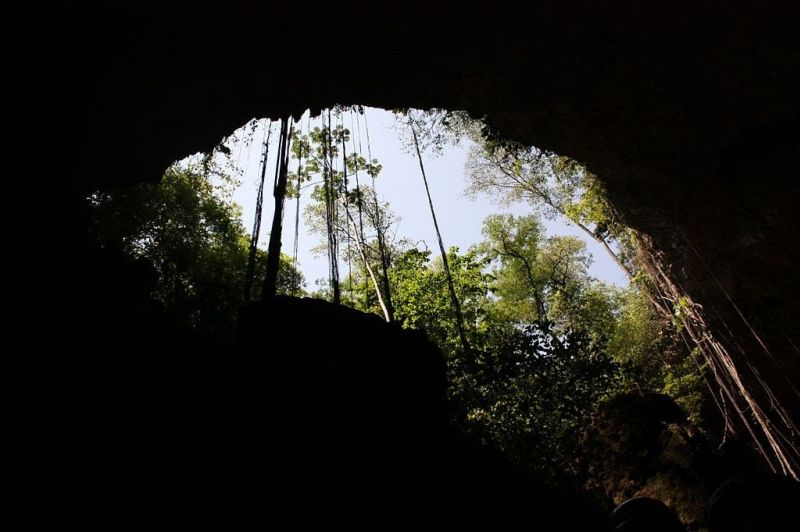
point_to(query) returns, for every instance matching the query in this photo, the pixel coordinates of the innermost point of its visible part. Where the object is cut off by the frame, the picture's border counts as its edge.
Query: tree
(422, 295)
(541, 279)
(188, 230)
(338, 210)
(532, 393)
(527, 386)
(538, 278)
(381, 246)
(554, 185)
(557, 186)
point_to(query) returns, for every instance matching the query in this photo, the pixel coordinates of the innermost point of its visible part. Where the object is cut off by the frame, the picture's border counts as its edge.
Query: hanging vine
(251, 258)
(774, 438)
(445, 264)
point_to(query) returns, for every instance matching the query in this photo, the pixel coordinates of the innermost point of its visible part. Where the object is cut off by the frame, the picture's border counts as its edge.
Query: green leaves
(422, 300)
(530, 391)
(188, 230)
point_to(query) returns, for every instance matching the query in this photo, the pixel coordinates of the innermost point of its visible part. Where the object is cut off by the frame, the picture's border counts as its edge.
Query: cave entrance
(693, 142)
(540, 266)
(542, 263)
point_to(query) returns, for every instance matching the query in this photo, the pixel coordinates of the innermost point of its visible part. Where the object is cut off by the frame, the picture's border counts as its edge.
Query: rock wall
(688, 111)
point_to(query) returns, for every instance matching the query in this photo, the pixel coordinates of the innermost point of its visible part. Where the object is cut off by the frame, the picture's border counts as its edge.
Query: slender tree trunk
(359, 232)
(296, 285)
(330, 213)
(279, 192)
(445, 264)
(362, 250)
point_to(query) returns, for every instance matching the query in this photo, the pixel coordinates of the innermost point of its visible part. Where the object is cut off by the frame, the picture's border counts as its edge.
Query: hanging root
(772, 430)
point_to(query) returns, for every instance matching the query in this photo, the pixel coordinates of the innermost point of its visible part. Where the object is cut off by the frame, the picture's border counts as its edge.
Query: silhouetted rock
(319, 416)
(643, 514)
(755, 503)
(358, 427)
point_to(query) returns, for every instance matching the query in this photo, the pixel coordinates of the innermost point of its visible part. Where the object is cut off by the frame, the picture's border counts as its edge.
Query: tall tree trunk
(445, 264)
(330, 213)
(279, 192)
(296, 285)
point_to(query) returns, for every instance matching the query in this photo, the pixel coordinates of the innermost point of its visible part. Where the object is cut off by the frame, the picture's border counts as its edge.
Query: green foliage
(553, 185)
(350, 219)
(636, 340)
(422, 300)
(684, 382)
(532, 392)
(186, 228)
(545, 279)
(681, 312)
(524, 388)
(318, 155)
(549, 343)
(321, 165)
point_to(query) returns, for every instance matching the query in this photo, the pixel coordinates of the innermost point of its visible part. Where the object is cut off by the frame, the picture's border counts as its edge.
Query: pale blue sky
(400, 183)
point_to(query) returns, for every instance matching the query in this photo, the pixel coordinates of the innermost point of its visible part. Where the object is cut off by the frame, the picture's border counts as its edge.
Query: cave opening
(687, 115)
(553, 352)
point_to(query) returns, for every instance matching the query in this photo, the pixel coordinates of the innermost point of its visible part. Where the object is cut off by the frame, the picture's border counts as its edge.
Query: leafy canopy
(188, 230)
